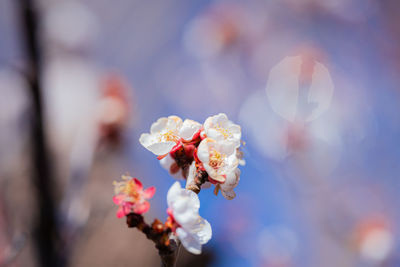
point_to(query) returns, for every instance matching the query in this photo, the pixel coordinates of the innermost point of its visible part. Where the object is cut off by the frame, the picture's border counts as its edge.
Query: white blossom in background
(71, 25)
(191, 229)
(295, 117)
(163, 136)
(218, 159)
(221, 129)
(71, 95)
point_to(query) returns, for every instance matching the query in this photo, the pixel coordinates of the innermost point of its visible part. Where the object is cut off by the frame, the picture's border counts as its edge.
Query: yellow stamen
(128, 188)
(168, 136)
(225, 132)
(216, 159)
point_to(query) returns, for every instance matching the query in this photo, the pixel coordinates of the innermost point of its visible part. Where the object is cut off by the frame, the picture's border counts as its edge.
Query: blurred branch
(45, 230)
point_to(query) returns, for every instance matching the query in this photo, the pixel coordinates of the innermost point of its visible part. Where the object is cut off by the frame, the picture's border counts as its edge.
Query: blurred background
(313, 83)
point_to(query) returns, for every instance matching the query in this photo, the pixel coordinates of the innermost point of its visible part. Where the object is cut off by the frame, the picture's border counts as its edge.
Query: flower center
(216, 159)
(130, 189)
(168, 136)
(225, 132)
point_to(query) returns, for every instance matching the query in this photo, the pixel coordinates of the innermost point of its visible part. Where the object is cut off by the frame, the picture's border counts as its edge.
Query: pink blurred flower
(130, 196)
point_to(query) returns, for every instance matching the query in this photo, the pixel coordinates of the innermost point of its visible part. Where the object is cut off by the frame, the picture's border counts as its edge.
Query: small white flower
(232, 180)
(220, 128)
(193, 231)
(164, 135)
(189, 129)
(219, 159)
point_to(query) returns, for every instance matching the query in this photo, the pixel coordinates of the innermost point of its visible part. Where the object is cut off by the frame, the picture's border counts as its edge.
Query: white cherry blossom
(192, 230)
(163, 136)
(219, 159)
(221, 129)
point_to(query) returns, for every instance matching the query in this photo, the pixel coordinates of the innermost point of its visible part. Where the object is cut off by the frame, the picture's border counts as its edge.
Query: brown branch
(159, 234)
(200, 178)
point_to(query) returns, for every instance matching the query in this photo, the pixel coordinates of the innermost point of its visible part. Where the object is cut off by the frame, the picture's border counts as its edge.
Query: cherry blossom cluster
(202, 155)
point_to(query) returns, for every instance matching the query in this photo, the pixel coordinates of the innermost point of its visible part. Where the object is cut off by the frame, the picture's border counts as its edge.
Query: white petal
(202, 230)
(221, 118)
(236, 132)
(208, 123)
(232, 180)
(174, 123)
(188, 129)
(189, 241)
(159, 125)
(151, 143)
(161, 148)
(184, 203)
(211, 172)
(226, 147)
(166, 163)
(146, 139)
(202, 150)
(173, 193)
(231, 162)
(186, 209)
(185, 216)
(229, 195)
(214, 134)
